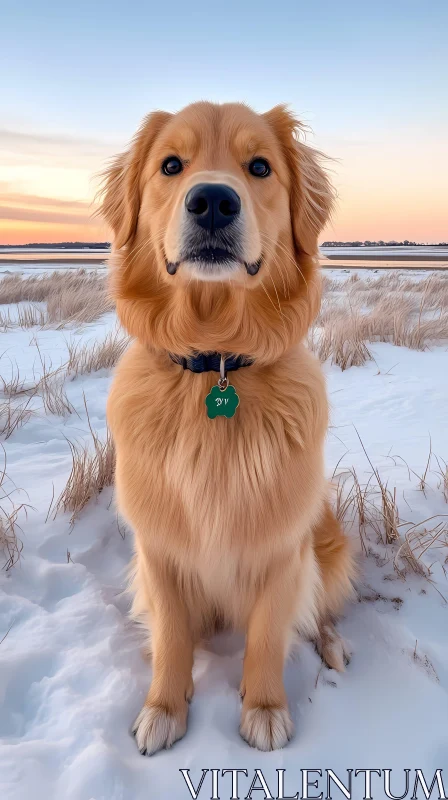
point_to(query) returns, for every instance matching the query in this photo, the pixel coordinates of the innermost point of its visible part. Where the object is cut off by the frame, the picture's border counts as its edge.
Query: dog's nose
(213, 205)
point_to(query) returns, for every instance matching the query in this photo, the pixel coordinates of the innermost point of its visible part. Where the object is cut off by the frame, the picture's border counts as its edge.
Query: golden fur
(231, 516)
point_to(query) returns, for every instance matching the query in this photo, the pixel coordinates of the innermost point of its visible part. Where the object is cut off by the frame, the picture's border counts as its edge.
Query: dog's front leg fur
(163, 718)
(265, 720)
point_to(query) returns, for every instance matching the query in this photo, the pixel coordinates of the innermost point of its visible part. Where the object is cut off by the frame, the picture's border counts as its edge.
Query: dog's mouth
(211, 255)
(207, 259)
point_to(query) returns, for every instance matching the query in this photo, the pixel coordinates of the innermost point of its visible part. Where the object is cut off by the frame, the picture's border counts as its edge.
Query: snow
(371, 275)
(46, 265)
(404, 252)
(72, 674)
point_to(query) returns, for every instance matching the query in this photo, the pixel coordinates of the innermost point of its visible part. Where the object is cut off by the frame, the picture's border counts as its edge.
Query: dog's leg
(337, 568)
(265, 719)
(163, 718)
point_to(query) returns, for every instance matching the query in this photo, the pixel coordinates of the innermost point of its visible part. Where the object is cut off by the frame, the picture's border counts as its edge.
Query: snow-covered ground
(420, 252)
(72, 676)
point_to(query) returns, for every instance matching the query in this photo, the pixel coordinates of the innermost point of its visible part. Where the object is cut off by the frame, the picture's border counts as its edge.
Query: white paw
(268, 728)
(156, 728)
(333, 649)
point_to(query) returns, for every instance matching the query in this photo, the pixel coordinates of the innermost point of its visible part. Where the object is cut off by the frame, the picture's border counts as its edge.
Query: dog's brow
(249, 143)
(185, 142)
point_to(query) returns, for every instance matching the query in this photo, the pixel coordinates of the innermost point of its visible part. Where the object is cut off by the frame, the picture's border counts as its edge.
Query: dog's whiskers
(270, 252)
(282, 316)
(277, 311)
(150, 241)
(283, 249)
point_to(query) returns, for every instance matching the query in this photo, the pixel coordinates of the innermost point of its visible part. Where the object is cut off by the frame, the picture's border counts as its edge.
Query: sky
(370, 78)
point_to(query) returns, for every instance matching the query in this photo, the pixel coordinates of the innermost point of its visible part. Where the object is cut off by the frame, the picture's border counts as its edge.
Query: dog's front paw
(266, 728)
(157, 727)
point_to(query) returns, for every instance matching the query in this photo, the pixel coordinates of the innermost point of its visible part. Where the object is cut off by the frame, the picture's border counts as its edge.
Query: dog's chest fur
(218, 494)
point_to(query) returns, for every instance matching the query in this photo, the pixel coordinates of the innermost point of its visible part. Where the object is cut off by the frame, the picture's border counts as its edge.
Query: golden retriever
(216, 212)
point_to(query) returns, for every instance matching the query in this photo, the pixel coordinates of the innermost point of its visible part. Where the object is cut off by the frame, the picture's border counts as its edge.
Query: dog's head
(216, 213)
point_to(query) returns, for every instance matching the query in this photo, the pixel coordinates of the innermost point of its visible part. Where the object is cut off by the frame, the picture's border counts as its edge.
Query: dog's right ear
(121, 189)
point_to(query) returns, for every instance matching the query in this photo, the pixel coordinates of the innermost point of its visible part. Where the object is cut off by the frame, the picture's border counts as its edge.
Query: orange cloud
(47, 189)
(389, 188)
(20, 232)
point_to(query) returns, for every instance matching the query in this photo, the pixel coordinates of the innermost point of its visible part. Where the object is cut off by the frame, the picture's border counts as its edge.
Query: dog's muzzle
(212, 232)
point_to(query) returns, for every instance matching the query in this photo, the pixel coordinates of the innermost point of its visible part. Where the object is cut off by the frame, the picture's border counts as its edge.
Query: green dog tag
(222, 402)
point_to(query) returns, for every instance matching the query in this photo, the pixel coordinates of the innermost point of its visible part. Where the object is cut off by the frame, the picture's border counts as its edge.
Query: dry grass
(27, 316)
(417, 541)
(16, 407)
(373, 504)
(14, 415)
(443, 473)
(82, 359)
(38, 289)
(351, 501)
(10, 544)
(51, 388)
(341, 341)
(92, 470)
(86, 358)
(390, 308)
(15, 385)
(373, 508)
(30, 316)
(74, 296)
(78, 304)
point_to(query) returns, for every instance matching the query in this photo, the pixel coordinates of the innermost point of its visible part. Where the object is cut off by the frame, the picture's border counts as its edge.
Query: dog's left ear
(312, 195)
(120, 194)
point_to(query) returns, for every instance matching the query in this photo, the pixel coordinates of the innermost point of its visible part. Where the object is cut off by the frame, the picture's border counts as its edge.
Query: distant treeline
(106, 245)
(380, 243)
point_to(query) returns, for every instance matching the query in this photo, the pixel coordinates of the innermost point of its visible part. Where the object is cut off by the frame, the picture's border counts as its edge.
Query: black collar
(210, 362)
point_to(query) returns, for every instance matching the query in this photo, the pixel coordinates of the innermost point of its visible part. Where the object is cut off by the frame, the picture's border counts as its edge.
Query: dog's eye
(172, 166)
(260, 168)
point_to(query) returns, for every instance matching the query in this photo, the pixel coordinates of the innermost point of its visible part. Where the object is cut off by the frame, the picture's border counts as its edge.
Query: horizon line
(329, 243)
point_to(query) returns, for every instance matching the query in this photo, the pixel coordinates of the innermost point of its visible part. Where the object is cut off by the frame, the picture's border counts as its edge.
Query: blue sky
(365, 75)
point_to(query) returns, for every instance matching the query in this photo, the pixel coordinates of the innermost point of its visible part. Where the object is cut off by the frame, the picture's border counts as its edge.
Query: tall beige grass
(68, 297)
(13, 415)
(74, 296)
(93, 468)
(10, 544)
(372, 506)
(14, 385)
(16, 407)
(391, 308)
(27, 316)
(87, 357)
(341, 340)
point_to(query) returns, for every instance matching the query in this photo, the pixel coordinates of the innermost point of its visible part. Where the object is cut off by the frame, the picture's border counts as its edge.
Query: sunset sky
(370, 78)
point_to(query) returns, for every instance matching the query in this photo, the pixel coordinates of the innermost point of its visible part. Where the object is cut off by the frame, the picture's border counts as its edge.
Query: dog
(218, 410)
